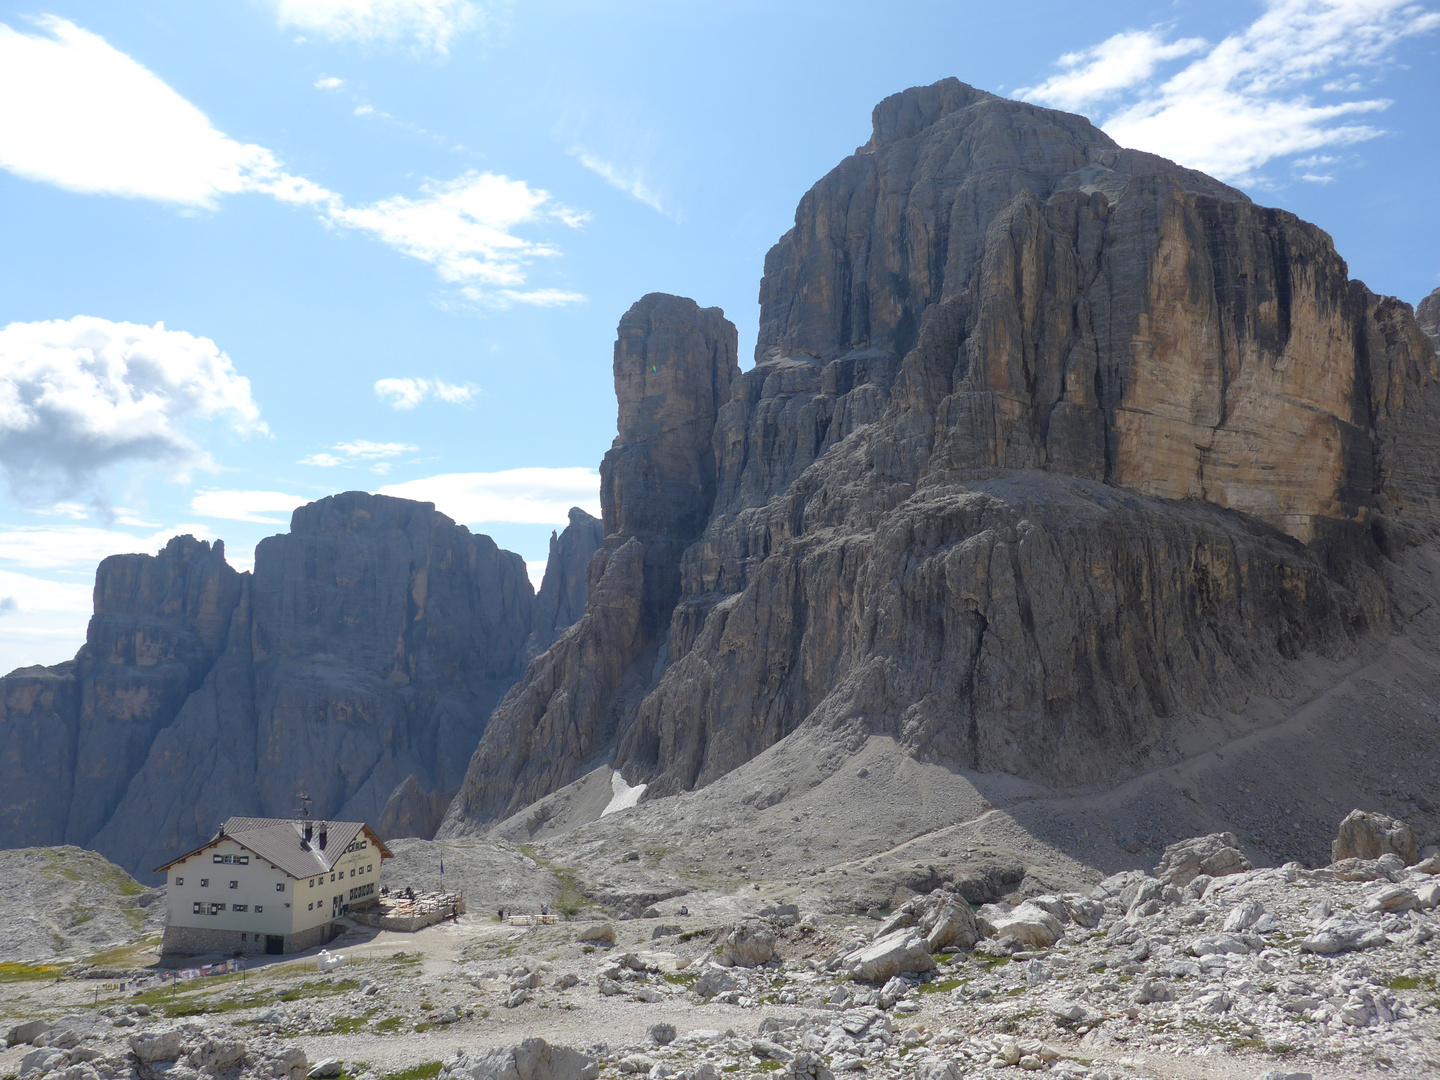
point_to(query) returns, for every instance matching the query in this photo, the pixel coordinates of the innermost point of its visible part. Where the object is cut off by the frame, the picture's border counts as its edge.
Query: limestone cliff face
(359, 663)
(561, 599)
(1428, 316)
(674, 365)
(1051, 449)
(74, 734)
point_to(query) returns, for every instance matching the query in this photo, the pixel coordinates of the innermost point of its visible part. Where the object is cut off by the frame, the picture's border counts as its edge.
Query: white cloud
(536, 297)
(77, 395)
(77, 113)
(1250, 98)
(532, 496)
(330, 82)
(464, 227)
(357, 451)
(630, 181)
(535, 571)
(80, 548)
(1116, 64)
(430, 23)
(407, 393)
(253, 506)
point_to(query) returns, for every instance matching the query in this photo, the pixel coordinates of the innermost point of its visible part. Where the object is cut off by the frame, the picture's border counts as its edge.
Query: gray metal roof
(281, 841)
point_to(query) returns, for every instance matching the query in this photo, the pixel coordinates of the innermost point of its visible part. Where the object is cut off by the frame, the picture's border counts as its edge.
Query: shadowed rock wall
(674, 365)
(359, 663)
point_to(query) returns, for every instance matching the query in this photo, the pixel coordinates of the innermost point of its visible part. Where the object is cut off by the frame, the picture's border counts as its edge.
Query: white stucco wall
(255, 888)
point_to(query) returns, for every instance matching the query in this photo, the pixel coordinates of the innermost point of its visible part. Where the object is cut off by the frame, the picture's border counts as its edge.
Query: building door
(274, 945)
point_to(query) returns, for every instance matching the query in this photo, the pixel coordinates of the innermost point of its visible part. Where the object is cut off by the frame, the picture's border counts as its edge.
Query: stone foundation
(197, 940)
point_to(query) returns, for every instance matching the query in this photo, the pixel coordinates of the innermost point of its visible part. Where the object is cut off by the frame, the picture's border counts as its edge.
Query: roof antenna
(306, 826)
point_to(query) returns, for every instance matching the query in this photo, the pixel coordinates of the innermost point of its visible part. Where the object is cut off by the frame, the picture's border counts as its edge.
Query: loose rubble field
(1207, 968)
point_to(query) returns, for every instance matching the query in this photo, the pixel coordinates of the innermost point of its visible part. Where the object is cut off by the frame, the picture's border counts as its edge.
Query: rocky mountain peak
(908, 113)
(1428, 316)
(1052, 450)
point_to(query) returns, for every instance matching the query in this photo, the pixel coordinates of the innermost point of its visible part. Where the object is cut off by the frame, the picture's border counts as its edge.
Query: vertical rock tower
(674, 365)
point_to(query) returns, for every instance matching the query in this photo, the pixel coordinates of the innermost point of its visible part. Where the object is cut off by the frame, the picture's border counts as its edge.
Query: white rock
(1342, 933)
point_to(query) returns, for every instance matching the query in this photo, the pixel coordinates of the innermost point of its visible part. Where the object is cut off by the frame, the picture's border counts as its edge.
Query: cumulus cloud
(77, 113)
(631, 181)
(531, 496)
(258, 507)
(79, 548)
(330, 82)
(407, 393)
(78, 395)
(362, 451)
(431, 24)
(1250, 98)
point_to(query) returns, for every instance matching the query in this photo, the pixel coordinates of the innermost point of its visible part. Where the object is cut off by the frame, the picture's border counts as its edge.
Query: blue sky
(256, 251)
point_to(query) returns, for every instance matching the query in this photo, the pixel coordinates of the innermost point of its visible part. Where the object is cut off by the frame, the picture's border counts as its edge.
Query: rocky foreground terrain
(1205, 967)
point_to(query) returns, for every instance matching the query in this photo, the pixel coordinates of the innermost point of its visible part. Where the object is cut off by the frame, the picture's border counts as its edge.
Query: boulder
(39, 1062)
(714, 980)
(326, 1069)
(1215, 855)
(1028, 923)
(1343, 933)
(953, 924)
(1369, 836)
(26, 1032)
(598, 934)
(157, 1044)
(533, 1059)
(888, 956)
(1393, 898)
(750, 944)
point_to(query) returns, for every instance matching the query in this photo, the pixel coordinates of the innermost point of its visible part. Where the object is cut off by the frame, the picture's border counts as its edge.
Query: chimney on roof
(324, 834)
(309, 831)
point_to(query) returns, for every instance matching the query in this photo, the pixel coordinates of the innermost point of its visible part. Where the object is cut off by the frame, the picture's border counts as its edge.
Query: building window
(179, 881)
(195, 909)
(312, 882)
(238, 907)
(218, 858)
(234, 884)
(279, 886)
(204, 882)
(352, 873)
(258, 909)
(309, 907)
(332, 877)
(243, 860)
(370, 869)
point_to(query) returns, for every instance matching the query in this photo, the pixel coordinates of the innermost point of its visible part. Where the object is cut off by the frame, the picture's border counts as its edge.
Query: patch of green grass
(570, 901)
(416, 1072)
(88, 867)
(320, 988)
(990, 963)
(12, 971)
(938, 987)
(770, 1065)
(389, 1024)
(349, 1025)
(686, 979)
(1403, 982)
(730, 1068)
(426, 1006)
(124, 955)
